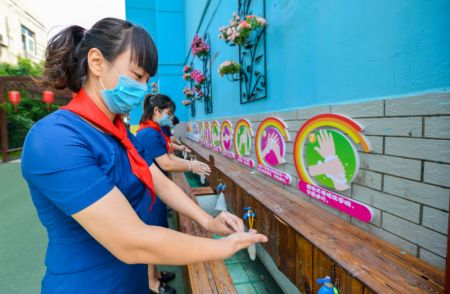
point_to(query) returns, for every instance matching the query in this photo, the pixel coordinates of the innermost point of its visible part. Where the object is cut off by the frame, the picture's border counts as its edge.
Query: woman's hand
(200, 168)
(241, 240)
(224, 224)
(185, 149)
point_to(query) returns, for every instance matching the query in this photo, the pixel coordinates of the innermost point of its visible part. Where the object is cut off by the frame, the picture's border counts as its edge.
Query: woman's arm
(226, 223)
(171, 163)
(113, 222)
(180, 147)
(175, 140)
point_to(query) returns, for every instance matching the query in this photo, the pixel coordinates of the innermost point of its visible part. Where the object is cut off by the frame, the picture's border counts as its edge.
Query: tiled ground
(194, 180)
(23, 240)
(250, 276)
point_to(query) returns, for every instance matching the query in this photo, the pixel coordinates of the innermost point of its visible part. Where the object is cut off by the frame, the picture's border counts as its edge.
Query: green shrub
(18, 127)
(29, 110)
(24, 67)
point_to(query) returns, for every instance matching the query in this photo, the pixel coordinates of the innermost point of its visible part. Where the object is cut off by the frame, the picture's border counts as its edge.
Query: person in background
(155, 137)
(176, 144)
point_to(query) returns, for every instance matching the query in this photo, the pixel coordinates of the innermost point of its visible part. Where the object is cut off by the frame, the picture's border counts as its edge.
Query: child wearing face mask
(155, 137)
(175, 143)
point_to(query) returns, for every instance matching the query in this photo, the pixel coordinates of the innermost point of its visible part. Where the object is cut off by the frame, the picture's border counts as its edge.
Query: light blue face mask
(126, 96)
(165, 121)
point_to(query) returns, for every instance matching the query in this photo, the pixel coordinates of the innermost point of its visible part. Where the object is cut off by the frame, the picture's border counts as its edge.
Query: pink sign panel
(228, 154)
(349, 206)
(277, 175)
(246, 161)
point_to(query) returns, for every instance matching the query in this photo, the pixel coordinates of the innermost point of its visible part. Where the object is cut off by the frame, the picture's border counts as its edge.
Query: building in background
(22, 33)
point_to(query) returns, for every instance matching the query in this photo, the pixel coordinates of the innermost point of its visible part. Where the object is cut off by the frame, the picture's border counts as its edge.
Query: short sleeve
(60, 164)
(153, 143)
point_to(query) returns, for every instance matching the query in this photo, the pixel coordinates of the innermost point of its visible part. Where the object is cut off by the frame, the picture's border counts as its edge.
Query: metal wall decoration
(252, 57)
(191, 85)
(207, 86)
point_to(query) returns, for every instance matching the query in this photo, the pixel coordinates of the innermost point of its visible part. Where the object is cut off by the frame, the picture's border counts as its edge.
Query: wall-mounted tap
(221, 204)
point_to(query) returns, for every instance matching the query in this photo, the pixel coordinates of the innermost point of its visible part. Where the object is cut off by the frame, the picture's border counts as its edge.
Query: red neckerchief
(83, 106)
(151, 124)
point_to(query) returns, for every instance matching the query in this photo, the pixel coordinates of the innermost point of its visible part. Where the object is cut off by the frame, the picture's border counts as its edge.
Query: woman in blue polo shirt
(91, 187)
(154, 136)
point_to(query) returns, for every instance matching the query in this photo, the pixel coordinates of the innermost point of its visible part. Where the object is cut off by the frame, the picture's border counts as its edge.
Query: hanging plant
(155, 88)
(186, 102)
(187, 77)
(187, 69)
(198, 91)
(198, 77)
(239, 31)
(231, 69)
(199, 47)
(188, 93)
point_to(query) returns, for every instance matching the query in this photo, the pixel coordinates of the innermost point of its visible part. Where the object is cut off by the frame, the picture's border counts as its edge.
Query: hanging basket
(234, 77)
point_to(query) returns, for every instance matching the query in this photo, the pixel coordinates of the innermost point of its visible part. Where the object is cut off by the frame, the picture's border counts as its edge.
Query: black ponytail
(66, 55)
(61, 66)
(156, 100)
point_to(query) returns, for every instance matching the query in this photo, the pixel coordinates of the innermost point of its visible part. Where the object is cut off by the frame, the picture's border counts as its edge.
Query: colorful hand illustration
(273, 144)
(226, 137)
(215, 136)
(243, 142)
(332, 166)
(326, 146)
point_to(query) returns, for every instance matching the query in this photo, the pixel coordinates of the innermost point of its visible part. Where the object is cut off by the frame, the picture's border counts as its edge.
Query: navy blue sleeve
(59, 162)
(153, 143)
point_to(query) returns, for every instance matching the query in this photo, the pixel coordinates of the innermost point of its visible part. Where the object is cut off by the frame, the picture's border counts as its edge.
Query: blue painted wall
(318, 52)
(321, 52)
(164, 20)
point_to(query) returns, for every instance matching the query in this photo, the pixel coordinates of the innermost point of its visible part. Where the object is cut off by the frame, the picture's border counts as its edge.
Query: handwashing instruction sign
(215, 128)
(243, 133)
(207, 135)
(192, 132)
(271, 138)
(326, 157)
(226, 137)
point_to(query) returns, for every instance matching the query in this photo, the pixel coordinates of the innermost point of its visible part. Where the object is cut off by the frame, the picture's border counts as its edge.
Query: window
(28, 41)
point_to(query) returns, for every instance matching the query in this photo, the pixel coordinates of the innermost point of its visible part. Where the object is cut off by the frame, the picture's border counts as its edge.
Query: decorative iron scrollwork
(252, 57)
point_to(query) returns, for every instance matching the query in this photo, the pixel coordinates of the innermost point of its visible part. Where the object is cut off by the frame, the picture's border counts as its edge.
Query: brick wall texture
(406, 178)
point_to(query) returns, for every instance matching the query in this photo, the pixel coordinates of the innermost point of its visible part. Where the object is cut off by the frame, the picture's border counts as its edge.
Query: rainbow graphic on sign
(226, 138)
(215, 131)
(192, 132)
(201, 127)
(208, 138)
(189, 127)
(242, 141)
(325, 129)
(271, 138)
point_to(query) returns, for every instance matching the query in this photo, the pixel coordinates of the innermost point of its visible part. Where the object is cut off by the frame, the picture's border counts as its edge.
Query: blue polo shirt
(154, 145)
(69, 165)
